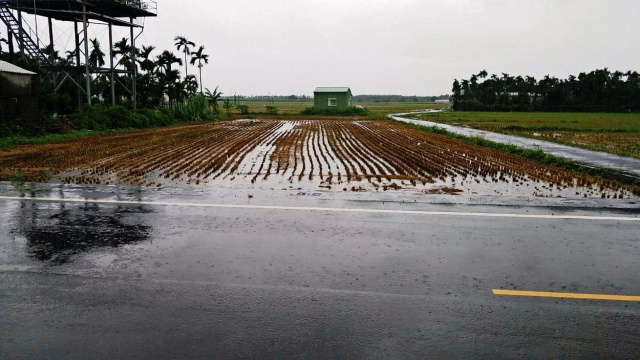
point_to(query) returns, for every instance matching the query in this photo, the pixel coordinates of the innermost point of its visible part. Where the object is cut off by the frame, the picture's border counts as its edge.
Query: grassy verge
(621, 143)
(539, 121)
(615, 133)
(52, 138)
(537, 156)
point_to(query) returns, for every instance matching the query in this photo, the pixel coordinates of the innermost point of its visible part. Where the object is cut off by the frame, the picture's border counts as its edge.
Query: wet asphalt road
(584, 156)
(126, 274)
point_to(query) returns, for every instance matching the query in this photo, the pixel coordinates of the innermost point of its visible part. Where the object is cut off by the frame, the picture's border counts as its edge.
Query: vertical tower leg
(113, 84)
(134, 92)
(86, 53)
(51, 57)
(10, 36)
(52, 52)
(20, 32)
(77, 70)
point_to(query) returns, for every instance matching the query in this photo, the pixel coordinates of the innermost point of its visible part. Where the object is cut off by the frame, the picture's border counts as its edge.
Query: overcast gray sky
(409, 47)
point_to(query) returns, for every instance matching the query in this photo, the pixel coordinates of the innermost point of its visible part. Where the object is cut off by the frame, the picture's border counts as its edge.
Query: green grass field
(540, 120)
(609, 132)
(51, 138)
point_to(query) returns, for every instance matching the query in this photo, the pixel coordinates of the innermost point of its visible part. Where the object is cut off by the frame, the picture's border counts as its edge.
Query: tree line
(398, 98)
(158, 73)
(158, 79)
(596, 91)
(355, 98)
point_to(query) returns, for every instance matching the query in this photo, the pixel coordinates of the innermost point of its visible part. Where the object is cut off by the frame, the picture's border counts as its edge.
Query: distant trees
(158, 76)
(598, 90)
(398, 98)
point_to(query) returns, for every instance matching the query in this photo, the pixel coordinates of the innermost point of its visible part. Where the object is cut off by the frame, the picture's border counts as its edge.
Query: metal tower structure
(81, 13)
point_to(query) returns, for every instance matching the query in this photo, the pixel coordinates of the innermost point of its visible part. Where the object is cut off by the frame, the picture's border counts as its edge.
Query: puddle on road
(52, 234)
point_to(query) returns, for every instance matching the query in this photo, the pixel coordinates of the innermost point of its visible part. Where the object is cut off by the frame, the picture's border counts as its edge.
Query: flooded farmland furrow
(343, 157)
(314, 139)
(350, 142)
(326, 164)
(336, 166)
(345, 139)
(378, 167)
(399, 156)
(307, 154)
(230, 154)
(283, 149)
(240, 150)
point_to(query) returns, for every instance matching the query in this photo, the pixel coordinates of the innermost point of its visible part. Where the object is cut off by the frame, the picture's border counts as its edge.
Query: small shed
(332, 97)
(18, 94)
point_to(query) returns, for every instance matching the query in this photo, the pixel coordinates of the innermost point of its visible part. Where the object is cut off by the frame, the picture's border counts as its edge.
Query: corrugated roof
(10, 68)
(321, 89)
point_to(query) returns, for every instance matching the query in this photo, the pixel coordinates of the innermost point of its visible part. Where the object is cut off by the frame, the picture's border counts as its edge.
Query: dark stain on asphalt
(58, 232)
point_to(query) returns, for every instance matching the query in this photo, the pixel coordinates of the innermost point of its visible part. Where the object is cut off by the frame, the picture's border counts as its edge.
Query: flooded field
(337, 155)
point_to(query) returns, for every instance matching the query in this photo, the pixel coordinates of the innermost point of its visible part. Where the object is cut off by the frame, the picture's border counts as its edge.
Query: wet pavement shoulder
(583, 156)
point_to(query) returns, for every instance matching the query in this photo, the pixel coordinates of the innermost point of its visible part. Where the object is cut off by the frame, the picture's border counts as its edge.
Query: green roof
(331, 89)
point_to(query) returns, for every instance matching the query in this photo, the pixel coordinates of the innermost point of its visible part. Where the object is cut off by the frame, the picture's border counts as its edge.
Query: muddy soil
(339, 155)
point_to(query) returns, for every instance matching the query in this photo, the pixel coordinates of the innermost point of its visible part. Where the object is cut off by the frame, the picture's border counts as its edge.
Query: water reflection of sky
(55, 233)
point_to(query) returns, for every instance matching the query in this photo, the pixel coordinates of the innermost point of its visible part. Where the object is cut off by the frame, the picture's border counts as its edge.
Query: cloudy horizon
(406, 47)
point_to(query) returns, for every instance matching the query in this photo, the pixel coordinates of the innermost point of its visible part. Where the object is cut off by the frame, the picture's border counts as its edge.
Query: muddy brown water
(336, 155)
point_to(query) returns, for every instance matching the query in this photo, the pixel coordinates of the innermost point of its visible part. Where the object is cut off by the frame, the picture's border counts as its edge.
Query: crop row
(334, 151)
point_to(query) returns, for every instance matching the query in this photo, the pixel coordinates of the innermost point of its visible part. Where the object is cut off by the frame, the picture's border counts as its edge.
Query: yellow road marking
(343, 210)
(566, 295)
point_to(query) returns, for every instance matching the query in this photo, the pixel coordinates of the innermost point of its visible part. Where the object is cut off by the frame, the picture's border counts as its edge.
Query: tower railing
(147, 5)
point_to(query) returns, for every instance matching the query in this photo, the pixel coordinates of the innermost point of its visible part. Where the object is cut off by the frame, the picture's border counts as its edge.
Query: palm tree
(190, 85)
(200, 56)
(123, 49)
(146, 64)
(167, 59)
(96, 56)
(212, 98)
(185, 45)
(180, 89)
(54, 56)
(170, 80)
(70, 55)
(148, 81)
